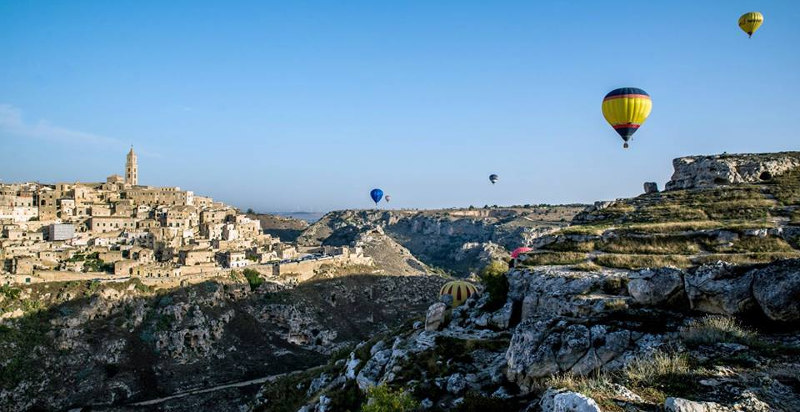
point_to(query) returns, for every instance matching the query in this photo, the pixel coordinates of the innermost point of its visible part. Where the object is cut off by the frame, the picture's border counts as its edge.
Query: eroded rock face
(720, 288)
(709, 171)
(650, 187)
(655, 287)
(559, 292)
(541, 348)
(776, 288)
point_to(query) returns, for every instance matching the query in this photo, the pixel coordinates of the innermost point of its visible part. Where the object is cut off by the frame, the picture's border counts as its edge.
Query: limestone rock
(709, 171)
(435, 318)
(650, 187)
(562, 400)
(777, 290)
(685, 405)
(720, 288)
(456, 384)
(653, 287)
(370, 374)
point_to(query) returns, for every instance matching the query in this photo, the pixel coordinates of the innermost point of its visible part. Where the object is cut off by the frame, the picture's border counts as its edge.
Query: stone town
(120, 229)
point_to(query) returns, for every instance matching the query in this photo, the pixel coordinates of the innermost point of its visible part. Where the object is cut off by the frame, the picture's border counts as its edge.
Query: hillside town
(119, 229)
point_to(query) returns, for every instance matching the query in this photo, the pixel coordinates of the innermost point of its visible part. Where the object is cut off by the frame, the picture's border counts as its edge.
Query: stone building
(131, 169)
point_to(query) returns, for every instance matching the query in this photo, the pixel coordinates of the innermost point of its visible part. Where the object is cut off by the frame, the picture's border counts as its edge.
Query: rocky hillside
(114, 344)
(740, 223)
(717, 337)
(458, 240)
(685, 300)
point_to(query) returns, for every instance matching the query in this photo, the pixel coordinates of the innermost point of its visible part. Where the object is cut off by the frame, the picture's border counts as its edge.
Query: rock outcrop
(709, 171)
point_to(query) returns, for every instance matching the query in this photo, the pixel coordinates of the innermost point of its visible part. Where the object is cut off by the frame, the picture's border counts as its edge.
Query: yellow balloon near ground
(459, 290)
(750, 22)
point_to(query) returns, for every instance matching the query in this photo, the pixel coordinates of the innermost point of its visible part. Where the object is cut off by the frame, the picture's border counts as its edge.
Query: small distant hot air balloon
(520, 250)
(750, 22)
(376, 195)
(494, 178)
(388, 198)
(626, 109)
(459, 290)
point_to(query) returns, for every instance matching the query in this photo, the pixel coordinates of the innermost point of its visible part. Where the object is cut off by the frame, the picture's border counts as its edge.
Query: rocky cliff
(460, 240)
(726, 169)
(109, 345)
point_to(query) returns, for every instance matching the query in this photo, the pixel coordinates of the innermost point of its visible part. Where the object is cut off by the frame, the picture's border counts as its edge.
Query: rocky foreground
(715, 338)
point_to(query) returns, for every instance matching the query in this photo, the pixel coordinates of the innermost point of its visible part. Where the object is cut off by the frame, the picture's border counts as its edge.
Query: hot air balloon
(459, 290)
(388, 198)
(376, 195)
(494, 178)
(750, 22)
(626, 109)
(520, 250)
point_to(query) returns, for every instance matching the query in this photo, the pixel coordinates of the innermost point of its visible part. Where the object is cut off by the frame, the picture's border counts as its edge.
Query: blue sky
(307, 105)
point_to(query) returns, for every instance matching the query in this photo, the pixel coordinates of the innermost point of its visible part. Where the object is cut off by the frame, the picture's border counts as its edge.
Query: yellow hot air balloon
(750, 22)
(459, 290)
(626, 109)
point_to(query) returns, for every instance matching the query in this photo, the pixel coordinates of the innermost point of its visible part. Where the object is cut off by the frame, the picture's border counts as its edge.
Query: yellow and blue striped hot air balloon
(626, 109)
(750, 22)
(459, 290)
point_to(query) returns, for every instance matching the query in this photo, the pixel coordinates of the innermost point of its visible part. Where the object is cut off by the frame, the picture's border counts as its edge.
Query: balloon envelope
(376, 195)
(493, 178)
(625, 109)
(388, 198)
(459, 290)
(750, 22)
(520, 250)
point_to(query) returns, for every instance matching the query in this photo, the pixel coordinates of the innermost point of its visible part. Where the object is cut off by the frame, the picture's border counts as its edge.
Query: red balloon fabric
(515, 254)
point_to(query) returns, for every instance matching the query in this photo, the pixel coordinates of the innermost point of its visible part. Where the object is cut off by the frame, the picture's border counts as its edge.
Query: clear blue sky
(307, 105)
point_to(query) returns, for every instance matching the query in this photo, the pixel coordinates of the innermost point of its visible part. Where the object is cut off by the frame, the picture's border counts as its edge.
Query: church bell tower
(131, 169)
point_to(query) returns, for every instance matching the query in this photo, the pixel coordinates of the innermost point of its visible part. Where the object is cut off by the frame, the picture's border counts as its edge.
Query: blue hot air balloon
(376, 195)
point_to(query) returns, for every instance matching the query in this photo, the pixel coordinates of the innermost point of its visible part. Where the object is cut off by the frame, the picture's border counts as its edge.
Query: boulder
(435, 318)
(685, 405)
(654, 287)
(720, 288)
(776, 288)
(561, 400)
(650, 187)
(456, 384)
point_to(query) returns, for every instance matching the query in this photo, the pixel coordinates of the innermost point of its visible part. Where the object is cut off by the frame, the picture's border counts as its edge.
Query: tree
(493, 277)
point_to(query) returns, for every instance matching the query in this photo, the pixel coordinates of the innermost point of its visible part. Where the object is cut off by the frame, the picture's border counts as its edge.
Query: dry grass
(596, 230)
(715, 328)
(633, 262)
(554, 258)
(587, 266)
(654, 369)
(755, 244)
(569, 246)
(651, 246)
(744, 258)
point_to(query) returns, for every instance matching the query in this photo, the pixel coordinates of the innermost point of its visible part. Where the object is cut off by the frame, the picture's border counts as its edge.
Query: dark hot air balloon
(494, 178)
(376, 195)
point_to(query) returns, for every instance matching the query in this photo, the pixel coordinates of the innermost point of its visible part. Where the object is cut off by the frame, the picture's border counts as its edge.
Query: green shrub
(381, 398)
(495, 282)
(253, 278)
